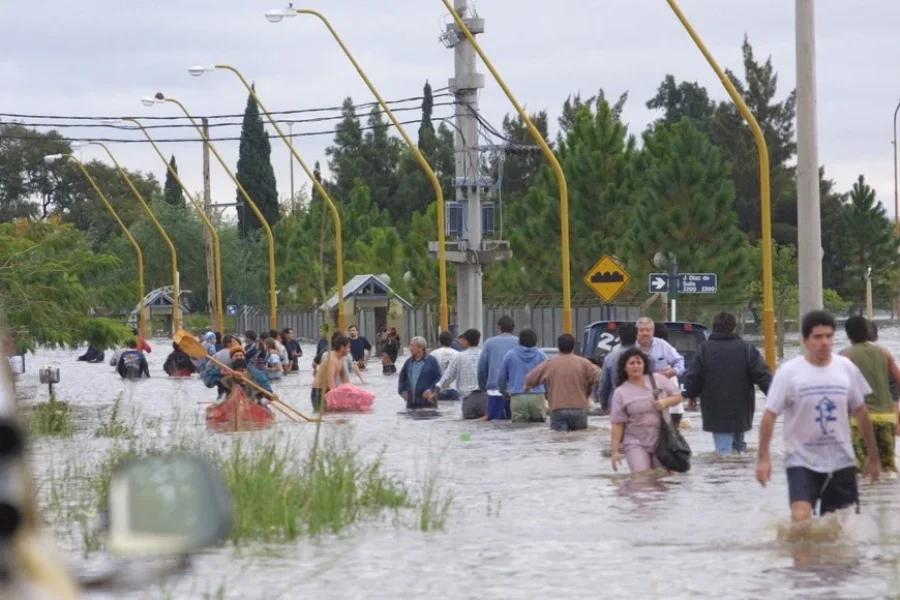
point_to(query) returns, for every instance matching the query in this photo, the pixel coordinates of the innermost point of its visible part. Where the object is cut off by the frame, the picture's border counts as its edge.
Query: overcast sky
(98, 57)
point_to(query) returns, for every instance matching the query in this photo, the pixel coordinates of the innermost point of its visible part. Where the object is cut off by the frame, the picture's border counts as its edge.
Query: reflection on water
(537, 514)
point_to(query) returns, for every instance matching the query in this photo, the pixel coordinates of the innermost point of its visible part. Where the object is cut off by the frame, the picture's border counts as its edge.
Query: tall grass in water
(278, 498)
(433, 506)
(52, 418)
(114, 426)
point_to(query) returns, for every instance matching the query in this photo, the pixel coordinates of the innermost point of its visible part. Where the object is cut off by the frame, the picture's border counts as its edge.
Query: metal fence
(545, 317)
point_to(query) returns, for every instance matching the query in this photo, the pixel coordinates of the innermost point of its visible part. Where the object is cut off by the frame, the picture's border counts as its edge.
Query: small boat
(238, 413)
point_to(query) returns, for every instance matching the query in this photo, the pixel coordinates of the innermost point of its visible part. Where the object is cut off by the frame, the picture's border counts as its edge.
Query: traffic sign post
(607, 279)
(685, 283)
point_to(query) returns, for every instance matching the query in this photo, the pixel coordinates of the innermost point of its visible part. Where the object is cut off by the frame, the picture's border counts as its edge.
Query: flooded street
(535, 514)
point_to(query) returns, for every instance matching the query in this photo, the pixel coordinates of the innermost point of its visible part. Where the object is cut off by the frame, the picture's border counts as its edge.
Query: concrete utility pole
(208, 245)
(468, 253)
(809, 226)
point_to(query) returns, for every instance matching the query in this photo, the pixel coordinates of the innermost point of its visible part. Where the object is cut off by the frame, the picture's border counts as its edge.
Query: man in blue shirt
(360, 348)
(491, 363)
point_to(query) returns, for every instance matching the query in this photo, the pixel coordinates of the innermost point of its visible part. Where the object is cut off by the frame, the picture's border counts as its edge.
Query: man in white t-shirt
(444, 355)
(817, 392)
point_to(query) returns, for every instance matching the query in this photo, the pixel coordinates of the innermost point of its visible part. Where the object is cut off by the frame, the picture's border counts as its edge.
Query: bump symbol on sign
(607, 278)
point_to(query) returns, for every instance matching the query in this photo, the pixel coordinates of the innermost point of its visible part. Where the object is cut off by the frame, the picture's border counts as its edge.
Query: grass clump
(277, 497)
(433, 505)
(52, 419)
(114, 427)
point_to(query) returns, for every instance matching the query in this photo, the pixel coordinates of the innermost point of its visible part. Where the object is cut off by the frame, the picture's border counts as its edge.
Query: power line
(231, 116)
(127, 127)
(193, 140)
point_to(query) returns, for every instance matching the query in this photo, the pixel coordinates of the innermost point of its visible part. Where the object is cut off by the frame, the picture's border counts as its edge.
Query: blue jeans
(729, 443)
(449, 395)
(568, 419)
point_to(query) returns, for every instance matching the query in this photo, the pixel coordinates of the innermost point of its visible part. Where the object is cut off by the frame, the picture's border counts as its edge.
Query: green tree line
(687, 184)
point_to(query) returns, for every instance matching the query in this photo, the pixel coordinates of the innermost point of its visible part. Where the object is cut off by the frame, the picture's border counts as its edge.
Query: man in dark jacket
(418, 376)
(723, 374)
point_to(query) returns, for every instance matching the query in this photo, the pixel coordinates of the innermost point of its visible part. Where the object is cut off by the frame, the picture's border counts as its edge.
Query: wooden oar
(193, 347)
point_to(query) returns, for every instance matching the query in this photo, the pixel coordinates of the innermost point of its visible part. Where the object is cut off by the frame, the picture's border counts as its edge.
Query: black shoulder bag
(672, 450)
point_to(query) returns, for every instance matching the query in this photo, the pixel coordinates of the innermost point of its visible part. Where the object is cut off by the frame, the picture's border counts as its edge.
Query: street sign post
(687, 283)
(607, 279)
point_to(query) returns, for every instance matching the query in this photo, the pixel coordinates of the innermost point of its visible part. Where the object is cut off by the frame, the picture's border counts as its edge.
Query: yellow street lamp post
(142, 310)
(217, 251)
(764, 188)
(273, 293)
(275, 16)
(176, 308)
(335, 215)
(551, 158)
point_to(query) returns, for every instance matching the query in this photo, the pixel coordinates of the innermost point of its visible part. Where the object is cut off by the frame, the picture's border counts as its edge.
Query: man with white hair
(664, 358)
(419, 376)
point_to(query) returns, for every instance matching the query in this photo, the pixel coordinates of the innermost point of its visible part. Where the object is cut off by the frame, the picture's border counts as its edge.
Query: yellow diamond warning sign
(607, 278)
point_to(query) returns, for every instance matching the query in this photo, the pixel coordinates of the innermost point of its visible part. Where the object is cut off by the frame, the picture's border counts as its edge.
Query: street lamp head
(52, 158)
(198, 70)
(275, 16)
(111, 122)
(77, 145)
(148, 101)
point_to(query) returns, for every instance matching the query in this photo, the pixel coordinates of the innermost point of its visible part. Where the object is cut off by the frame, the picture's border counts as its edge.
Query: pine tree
(255, 172)
(869, 241)
(172, 192)
(345, 154)
(686, 207)
(596, 156)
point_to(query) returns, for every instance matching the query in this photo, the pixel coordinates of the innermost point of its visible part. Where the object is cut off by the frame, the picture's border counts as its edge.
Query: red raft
(238, 413)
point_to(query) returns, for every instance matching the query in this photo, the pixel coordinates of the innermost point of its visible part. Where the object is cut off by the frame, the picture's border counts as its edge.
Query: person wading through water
(817, 391)
(608, 382)
(518, 362)
(418, 376)
(463, 370)
(568, 378)
(179, 363)
(444, 356)
(666, 359)
(877, 366)
(723, 374)
(331, 368)
(489, 366)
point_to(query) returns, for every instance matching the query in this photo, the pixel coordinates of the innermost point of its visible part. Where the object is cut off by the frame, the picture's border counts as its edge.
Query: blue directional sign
(659, 283)
(698, 283)
(688, 283)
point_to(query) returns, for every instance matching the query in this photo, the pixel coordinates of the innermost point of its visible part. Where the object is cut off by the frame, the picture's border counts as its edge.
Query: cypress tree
(255, 172)
(172, 192)
(426, 127)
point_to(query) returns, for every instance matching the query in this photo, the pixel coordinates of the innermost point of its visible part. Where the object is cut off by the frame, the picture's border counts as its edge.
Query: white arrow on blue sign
(659, 283)
(688, 283)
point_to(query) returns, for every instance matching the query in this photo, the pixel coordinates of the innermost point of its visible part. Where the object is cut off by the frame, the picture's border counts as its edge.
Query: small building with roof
(371, 304)
(159, 302)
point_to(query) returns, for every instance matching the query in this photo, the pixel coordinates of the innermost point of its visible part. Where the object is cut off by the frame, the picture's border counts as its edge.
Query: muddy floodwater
(535, 514)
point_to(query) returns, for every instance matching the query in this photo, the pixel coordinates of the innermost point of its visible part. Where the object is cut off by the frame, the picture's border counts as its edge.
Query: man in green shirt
(877, 366)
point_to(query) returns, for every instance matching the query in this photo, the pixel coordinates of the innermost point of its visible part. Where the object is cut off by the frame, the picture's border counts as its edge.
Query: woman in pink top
(637, 411)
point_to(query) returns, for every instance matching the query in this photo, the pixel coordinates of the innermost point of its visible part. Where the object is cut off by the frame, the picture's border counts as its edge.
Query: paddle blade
(189, 344)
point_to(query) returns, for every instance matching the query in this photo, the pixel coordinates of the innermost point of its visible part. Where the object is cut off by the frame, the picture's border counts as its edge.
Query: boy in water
(817, 391)
(877, 366)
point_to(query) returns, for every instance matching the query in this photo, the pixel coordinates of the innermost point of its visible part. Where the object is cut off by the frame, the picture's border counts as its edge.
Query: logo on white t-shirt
(825, 409)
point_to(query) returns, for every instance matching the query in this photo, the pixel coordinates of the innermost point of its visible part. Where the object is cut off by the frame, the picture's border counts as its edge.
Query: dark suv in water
(602, 336)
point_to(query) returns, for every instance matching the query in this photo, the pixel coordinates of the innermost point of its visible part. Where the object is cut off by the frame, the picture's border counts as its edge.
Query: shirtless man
(331, 369)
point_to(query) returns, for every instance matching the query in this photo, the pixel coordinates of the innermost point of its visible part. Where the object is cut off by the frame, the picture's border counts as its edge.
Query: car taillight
(611, 326)
(688, 327)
